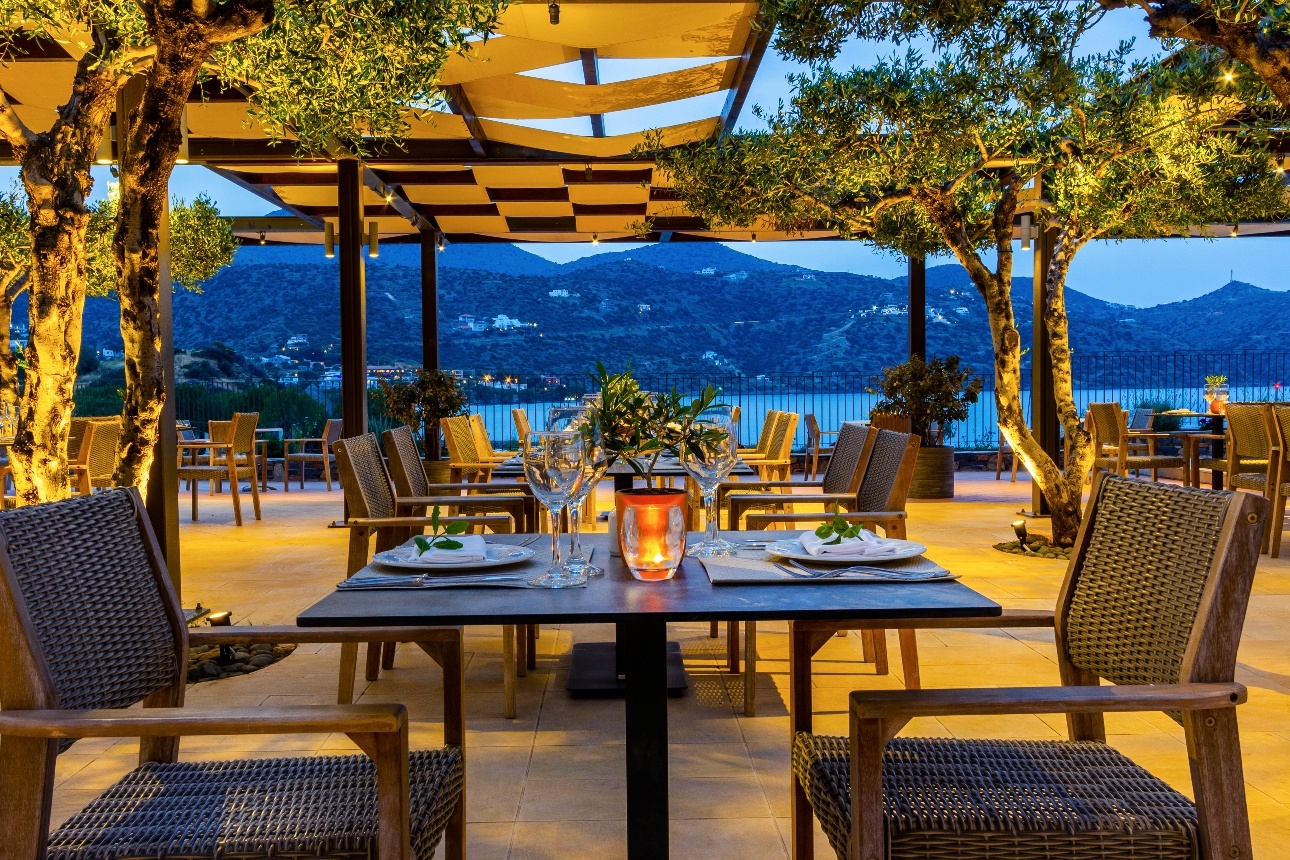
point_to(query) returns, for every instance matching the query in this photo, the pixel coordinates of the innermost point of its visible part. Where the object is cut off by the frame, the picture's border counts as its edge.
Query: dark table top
(616, 596)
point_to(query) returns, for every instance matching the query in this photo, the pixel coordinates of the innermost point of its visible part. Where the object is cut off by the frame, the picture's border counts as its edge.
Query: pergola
(478, 172)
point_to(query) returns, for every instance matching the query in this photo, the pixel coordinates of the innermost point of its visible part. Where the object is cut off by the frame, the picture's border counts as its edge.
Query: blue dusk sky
(1141, 273)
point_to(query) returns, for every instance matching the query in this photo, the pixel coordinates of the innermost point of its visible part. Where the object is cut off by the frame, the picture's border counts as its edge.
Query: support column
(353, 299)
(430, 299)
(918, 306)
(162, 503)
(1043, 406)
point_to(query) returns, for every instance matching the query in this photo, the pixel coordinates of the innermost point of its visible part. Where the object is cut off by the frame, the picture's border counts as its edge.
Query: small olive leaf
(824, 530)
(836, 540)
(434, 519)
(422, 545)
(456, 528)
(447, 543)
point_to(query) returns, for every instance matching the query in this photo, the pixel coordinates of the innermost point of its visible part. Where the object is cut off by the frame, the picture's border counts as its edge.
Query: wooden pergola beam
(591, 77)
(267, 193)
(745, 71)
(459, 102)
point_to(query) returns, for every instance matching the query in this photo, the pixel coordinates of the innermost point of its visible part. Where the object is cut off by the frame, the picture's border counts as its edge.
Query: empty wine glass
(554, 464)
(597, 464)
(709, 463)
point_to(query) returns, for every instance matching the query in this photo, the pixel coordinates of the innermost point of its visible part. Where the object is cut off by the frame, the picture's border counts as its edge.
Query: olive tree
(919, 155)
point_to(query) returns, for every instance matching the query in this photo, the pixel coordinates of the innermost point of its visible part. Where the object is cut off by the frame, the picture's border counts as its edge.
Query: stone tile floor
(549, 784)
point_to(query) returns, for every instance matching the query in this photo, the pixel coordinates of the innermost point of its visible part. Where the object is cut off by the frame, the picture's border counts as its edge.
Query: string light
(1229, 76)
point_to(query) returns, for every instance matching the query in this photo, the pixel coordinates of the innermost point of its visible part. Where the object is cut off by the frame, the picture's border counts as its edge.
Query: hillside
(665, 308)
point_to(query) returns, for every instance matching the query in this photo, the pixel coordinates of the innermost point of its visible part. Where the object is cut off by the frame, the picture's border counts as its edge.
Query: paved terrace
(549, 784)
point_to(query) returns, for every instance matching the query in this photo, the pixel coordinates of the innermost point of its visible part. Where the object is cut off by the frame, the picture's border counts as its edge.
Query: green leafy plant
(422, 401)
(1161, 423)
(1216, 379)
(839, 528)
(440, 538)
(636, 427)
(933, 394)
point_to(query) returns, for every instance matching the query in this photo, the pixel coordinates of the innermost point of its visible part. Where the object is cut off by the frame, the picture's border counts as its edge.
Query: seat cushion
(314, 806)
(949, 798)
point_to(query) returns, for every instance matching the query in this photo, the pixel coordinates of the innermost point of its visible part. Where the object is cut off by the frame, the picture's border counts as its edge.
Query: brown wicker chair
(1248, 448)
(231, 460)
(1154, 600)
(463, 457)
(312, 450)
(94, 627)
(762, 450)
(894, 421)
(372, 513)
(815, 447)
(1112, 443)
(96, 459)
(1278, 475)
(484, 444)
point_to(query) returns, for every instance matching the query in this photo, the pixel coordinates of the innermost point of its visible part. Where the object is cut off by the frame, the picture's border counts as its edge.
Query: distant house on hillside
(706, 270)
(642, 309)
(736, 276)
(504, 323)
(297, 342)
(467, 322)
(558, 294)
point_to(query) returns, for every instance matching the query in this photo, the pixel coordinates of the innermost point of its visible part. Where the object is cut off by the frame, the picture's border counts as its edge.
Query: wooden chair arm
(741, 502)
(725, 487)
(1199, 436)
(288, 633)
(169, 722)
(513, 488)
(460, 501)
(472, 466)
(399, 522)
(907, 704)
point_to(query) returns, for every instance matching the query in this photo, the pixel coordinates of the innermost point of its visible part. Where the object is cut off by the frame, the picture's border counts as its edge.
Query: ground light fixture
(373, 239)
(1236, 231)
(1019, 528)
(329, 240)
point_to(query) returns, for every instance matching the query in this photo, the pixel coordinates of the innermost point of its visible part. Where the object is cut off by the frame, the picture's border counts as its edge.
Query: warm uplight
(262, 238)
(329, 239)
(753, 238)
(1236, 231)
(595, 239)
(442, 244)
(1019, 528)
(373, 239)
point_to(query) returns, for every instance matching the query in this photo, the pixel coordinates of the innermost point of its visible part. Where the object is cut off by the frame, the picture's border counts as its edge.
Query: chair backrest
(895, 421)
(1248, 431)
(768, 426)
(885, 483)
(87, 623)
(242, 433)
(218, 431)
(1158, 583)
(77, 450)
(104, 437)
(812, 432)
(460, 439)
(1142, 418)
(363, 477)
(1108, 419)
(1279, 427)
(405, 462)
(781, 442)
(332, 431)
(522, 428)
(850, 456)
(479, 433)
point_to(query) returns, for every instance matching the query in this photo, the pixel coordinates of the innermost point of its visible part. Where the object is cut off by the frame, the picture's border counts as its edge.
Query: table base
(593, 672)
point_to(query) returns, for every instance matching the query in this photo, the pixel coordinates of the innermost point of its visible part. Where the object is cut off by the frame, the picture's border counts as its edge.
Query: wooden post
(1043, 405)
(918, 307)
(429, 300)
(353, 299)
(162, 503)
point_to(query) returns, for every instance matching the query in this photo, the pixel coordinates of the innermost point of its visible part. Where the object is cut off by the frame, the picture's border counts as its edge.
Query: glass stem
(710, 515)
(555, 535)
(575, 531)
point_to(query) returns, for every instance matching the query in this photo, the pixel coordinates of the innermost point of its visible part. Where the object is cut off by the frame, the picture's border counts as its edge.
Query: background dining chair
(815, 447)
(762, 449)
(1248, 446)
(522, 428)
(96, 459)
(231, 461)
(483, 444)
(1153, 601)
(312, 450)
(1005, 448)
(1113, 443)
(68, 603)
(894, 421)
(1279, 473)
(463, 457)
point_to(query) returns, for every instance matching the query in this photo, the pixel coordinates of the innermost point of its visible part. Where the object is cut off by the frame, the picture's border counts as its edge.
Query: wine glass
(554, 465)
(597, 464)
(709, 463)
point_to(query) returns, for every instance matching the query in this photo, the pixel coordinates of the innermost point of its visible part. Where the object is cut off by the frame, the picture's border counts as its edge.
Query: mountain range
(666, 307)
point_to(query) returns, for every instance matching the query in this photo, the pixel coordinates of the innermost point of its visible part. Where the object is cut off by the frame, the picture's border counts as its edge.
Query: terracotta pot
(933, 473)
(659, 545)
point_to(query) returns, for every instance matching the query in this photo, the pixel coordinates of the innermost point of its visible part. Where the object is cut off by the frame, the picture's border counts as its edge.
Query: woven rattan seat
(947, 798)
(316, 806)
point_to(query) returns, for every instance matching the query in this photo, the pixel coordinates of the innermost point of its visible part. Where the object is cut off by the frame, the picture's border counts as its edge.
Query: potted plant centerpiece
(933, 395)
(421, 402)
(637, 428)
(1216, 393)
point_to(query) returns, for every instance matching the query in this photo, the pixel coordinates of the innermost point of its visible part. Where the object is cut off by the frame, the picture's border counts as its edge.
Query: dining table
(641, 612)
(1211, 427)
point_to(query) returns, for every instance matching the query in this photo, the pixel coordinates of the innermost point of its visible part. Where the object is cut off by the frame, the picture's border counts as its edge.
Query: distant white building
(736, 276)
(504, 323)
(961, 311)
(706, 270)
(297, 342)
(558, 294)
(642, 309)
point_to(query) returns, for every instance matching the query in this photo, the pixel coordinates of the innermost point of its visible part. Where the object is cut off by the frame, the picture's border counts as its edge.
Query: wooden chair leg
(1214, 752)
(27, 785)
(521, 650)
(373, 669)
(327, 471)
(530, 654)
(714, 630)
(750, 668)
(866, 646)
(508, 671)
(286, 471)
(387, 655)
(193, 487)
(732, 646)
(880, 652)
(348, 666)
(255, 495)
(909, 659)
(1278, 524)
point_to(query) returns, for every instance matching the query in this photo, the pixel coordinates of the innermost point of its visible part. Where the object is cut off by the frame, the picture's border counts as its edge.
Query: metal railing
(1165, 380)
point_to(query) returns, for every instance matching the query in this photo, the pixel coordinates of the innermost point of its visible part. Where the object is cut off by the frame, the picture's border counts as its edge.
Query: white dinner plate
(792, 548)
(499, 555)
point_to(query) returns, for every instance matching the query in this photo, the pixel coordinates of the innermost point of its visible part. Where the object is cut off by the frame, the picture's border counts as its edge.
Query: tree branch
(14, 130)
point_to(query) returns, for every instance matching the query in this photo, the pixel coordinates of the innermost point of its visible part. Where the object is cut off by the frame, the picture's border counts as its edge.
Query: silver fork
(863, 568)
(807, 573)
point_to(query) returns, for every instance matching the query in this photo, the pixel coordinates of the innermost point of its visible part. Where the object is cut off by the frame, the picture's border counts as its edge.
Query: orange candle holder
(651, 531)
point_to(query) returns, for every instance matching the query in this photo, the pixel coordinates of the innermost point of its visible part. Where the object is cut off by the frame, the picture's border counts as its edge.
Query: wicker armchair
(463, 456)
(312, 450)
(1248, 449)
(815, 447)
(1278, 475)
(95, 627)
(522, 428)
(1112, 441)
(483, 444)
(231, 460)
(96, 458)
(1154, 600)
(762, 450)
(777, 463)
(372, 513)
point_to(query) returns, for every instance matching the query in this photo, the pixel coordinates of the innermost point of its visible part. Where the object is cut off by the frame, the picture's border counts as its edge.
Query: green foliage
(838, 528)
(344, 71)
(439, 534)
(636, 427)
(97, 399)
(1161, 423)
(201, 242)
(422, 401)
(15, 240)
(933, 394)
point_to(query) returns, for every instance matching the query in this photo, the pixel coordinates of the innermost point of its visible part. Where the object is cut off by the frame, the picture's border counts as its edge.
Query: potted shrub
(933, 395)
(421, 401)
(636, 428)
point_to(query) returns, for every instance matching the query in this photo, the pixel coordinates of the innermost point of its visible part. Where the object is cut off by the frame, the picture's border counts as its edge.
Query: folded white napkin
(868, 545)
(473, 549)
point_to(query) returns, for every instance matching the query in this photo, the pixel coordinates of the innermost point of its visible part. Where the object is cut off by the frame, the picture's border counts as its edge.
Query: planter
(651, 531)
(437, 471)
(933, 473)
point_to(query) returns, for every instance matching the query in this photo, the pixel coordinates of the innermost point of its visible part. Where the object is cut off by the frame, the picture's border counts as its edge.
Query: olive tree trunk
(185, 37)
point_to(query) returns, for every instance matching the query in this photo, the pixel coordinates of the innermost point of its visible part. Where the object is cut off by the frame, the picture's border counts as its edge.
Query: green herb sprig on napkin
(839, 528)
(439, 539)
